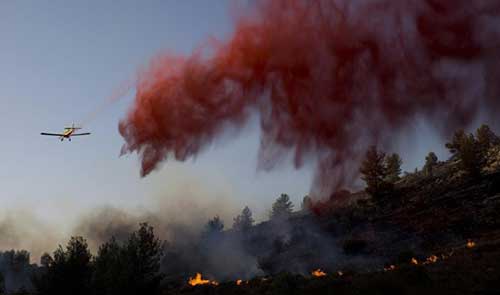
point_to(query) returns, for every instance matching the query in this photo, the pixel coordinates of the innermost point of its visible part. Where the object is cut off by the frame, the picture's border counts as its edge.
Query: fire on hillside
(198, 280)
(318, 273)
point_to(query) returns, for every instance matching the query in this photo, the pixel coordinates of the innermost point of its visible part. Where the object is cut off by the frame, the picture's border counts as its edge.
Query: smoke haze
(178, 212)
(178, 215)
(21, 229)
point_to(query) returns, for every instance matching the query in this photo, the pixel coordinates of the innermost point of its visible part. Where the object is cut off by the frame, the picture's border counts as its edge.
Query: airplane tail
(73, 127)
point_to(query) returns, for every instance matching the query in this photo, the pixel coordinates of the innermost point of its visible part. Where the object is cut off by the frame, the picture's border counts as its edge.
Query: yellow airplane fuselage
(68, 132)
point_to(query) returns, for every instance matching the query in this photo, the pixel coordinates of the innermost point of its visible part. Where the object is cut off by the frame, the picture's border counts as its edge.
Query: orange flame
(318, 273)
(414, 261)
(431, 259)
(238, 282)
(197, 280)
(470, 244)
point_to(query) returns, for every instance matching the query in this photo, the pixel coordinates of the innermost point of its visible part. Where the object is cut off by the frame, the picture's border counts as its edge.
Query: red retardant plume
(327, 78)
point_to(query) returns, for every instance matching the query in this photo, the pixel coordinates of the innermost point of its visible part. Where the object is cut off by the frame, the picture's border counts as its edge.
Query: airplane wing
(78, 134)
(51, 134)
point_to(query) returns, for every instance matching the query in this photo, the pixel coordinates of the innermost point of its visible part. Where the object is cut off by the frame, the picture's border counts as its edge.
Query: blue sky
(59, 62)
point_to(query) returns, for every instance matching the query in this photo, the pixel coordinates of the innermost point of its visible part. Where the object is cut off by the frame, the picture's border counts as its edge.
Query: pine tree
(282, 207)
(214, 226)
(454, 145)
(373, 171)
(486, 139)
(244, 221)
(393, 168)
(129, 268)
(69, 271)
(466, 149)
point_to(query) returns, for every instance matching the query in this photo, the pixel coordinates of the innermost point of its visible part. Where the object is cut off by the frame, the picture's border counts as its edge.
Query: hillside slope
(439, 235)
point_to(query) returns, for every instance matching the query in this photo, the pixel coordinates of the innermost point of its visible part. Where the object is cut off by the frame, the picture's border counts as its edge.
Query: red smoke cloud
(327, 77)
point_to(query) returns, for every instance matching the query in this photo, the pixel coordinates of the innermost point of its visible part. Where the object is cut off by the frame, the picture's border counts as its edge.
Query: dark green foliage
(244, 221)
(131, 268)
(431, 161)
(485, 139)
(472, 151)
(69, 271)
(46, 260)
(465, 148)
(14, 260)
(16, 268)
(214, 226)
(393, 168)
(373, 171)
(109, 265)
(454, 145)
(144, 251)
(282, 207)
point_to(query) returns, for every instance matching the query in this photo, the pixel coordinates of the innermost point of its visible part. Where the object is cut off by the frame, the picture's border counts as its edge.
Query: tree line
(282, 208)
(132, 267)
(129, 267)
(474, 153)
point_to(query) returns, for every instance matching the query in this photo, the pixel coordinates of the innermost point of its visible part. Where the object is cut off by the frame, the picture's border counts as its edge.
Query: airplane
(68, 133)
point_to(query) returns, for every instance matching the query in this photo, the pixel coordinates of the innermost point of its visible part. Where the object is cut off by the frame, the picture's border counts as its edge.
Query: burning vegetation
(318, 273)
(470, 244)
(431, 259)
(197, 280)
